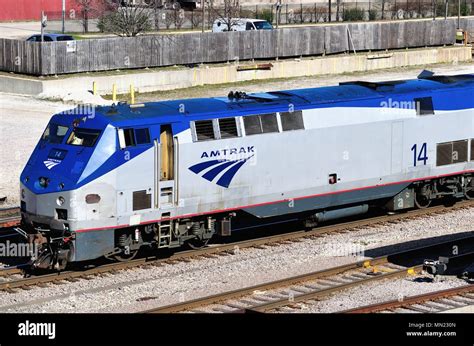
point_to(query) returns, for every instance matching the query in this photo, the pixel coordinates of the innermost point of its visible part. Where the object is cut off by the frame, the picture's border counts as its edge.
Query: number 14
(419, 156)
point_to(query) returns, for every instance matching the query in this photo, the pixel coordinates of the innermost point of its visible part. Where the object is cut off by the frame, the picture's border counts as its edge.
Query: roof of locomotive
(345, 93)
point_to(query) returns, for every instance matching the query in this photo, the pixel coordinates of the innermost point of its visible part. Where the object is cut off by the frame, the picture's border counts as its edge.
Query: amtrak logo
(51, 163)
(228, 168)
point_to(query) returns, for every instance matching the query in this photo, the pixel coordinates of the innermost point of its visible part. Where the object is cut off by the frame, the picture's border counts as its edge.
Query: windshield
(83, 137)
(54, 133)
(263, 25)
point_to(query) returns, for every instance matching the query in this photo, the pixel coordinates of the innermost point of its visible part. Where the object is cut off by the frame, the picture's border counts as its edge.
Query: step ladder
(164, 234)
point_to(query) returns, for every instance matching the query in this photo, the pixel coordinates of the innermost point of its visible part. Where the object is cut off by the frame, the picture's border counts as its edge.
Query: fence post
(132, 94)
(301, 14)
(114, 93)
(315, 13)
(329, 12)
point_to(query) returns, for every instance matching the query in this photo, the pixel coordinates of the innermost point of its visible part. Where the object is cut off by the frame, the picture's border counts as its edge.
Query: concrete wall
(77, 88)
(195, 48)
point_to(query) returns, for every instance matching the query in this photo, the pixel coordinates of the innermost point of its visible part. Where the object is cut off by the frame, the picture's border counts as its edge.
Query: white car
(240, 24)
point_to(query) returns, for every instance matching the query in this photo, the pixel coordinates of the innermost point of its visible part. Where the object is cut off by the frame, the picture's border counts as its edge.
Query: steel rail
(278, 303)
(225, 249)
(412, 300)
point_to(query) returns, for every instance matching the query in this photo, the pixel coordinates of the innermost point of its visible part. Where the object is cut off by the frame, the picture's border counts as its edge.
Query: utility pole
(43, 24)
(64, 16)
(329, 12)
(278, 11)
(459, 14)
(203, 15)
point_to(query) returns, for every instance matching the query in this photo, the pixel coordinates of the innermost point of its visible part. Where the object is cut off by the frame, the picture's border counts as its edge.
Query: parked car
(241, 24)
(50, 38)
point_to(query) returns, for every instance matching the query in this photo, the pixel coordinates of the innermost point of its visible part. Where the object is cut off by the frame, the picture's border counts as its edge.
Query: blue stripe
(215, 171)
(225, 180)
(203, 165)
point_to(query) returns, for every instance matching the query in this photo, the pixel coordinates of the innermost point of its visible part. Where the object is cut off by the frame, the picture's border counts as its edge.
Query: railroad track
(9, 217)
(286, 294)
(433, 302)
(10, 280)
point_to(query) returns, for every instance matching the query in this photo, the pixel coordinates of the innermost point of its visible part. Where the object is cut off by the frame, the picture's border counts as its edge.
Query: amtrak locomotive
(110, 180)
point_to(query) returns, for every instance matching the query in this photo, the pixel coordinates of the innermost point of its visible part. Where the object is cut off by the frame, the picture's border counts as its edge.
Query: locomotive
(106, 181)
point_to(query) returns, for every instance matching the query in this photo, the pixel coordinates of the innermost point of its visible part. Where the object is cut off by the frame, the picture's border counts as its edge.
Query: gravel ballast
(140, 289)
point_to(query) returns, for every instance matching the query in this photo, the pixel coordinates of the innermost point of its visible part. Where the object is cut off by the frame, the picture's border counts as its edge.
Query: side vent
(472, 149)
(451, 152)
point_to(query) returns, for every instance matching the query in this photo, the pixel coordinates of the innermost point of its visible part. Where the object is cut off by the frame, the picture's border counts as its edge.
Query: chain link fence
(287, 14)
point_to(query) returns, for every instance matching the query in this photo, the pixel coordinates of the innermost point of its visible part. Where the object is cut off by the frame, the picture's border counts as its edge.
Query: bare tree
(179, 18)
(338, 5)
(91, 8)
(85, 7)
(228, 14)
(155, 5)
(126, 19)
(196, 19)
(168, 16)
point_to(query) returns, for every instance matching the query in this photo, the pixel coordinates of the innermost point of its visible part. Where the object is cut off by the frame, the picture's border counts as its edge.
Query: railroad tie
(224, 310)
(417, 309)
(464, 299)
(435, 305)
(235, 306)
(448, 301)
(262, 298)
(468, 295)
(358, 276)
(299, 289)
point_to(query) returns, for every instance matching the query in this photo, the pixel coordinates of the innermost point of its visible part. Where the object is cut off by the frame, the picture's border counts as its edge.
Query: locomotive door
(165, 168)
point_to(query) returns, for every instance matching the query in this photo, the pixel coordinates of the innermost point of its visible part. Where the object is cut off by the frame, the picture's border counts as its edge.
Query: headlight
(60, 200)
(43, 181)
(22, 193)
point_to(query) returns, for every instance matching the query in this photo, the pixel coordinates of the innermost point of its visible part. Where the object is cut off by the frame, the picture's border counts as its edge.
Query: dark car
(50, 38)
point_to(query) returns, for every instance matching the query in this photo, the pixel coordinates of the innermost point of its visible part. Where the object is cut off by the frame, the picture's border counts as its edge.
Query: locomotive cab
(68, 154)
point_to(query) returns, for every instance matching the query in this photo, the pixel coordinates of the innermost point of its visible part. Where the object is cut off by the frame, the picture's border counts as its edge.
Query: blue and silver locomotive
(107, 181)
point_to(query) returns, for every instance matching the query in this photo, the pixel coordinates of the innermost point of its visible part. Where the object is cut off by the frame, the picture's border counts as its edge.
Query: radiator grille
(444, 154)
(141, 200)
(460, 151)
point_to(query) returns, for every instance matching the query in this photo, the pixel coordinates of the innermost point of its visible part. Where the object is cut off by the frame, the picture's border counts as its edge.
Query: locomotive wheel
(422, 201)
(197, 243)
(122, 257)
(470, 190)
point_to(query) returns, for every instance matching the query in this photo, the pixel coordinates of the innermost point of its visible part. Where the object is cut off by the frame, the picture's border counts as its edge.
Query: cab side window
(133, 137)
